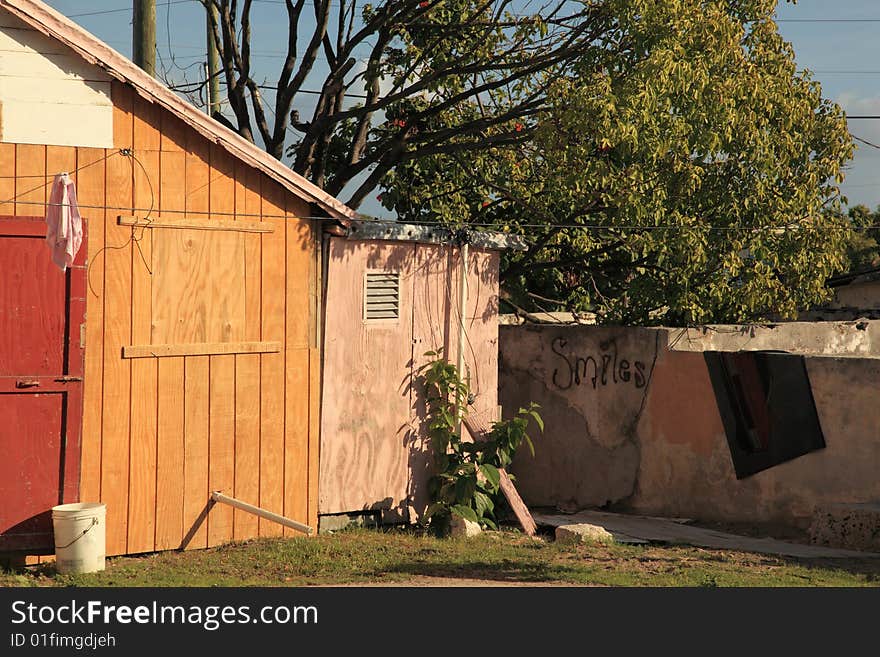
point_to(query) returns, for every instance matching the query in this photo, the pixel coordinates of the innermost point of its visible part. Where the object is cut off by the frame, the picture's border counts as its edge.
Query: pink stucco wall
(374, 449)
(660, 448)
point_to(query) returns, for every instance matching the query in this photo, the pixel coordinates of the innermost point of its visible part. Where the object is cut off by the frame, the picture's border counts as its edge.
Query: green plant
(467, 480)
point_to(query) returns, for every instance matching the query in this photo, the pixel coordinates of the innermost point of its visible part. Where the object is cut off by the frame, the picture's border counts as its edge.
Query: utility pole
(144, 35)
(213, 69)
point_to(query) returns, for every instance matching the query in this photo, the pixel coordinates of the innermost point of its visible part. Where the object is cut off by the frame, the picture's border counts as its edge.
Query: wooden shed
(394, 293)
(186, 336)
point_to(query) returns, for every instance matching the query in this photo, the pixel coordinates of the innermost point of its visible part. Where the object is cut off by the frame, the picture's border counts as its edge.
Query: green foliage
(863, 244)
(683, 170)
(467, 480)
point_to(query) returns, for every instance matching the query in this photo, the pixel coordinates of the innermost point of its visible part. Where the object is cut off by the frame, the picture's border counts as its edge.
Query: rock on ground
(462, 528)
(583, 533)
(851, 526)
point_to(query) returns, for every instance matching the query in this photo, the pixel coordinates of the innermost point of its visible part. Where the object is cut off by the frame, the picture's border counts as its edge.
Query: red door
(42, 310)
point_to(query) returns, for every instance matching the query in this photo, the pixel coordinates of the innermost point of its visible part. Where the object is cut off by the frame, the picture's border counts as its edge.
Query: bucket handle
(84, 532)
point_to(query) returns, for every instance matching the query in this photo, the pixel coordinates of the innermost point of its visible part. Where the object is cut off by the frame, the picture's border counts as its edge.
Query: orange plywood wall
(231, 401)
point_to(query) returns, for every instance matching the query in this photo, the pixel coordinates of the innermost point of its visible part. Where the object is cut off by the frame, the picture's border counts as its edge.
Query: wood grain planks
(59, 159)
(314, 432)
(7, 179)
(247, 443)
(144, 373)
(196, 428)
(296, 437)
(175, 134)
(172, 183)
(198, 176)
(123, 121)
(117, 332)
(170, 454)
(30, 172)
(197, 369)
(248, 202)
(221, 460)
(199, 287)
(161, 433)
(299, 262)
(147, 134)
(247, 367)
(227, 265)
(298, 250)
(240, 226)
(90, 191)
(272, 372)
(199, 349)
(170, 451)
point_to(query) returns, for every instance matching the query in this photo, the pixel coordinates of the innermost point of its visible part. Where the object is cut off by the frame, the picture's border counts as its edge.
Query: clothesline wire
(15, 198)
(442, 224)
(133, 238)
(128, 152)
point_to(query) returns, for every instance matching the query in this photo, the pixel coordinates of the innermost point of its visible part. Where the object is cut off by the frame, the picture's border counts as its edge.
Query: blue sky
(838, 41)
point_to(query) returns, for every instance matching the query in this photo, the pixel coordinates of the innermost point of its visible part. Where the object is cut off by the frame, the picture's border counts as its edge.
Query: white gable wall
(48, 94)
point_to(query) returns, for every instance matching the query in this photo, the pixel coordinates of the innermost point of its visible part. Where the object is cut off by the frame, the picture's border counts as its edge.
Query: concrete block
(583, 533)
(327, 524)
(851, 526)
(461, 528)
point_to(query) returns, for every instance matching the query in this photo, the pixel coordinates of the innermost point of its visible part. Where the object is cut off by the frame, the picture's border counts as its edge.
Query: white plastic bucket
(79, 537)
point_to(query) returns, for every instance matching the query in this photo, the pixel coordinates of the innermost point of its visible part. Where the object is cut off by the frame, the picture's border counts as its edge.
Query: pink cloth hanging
(64, 225)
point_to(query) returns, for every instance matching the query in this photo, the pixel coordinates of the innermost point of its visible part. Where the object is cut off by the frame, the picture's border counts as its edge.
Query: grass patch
(363, 556)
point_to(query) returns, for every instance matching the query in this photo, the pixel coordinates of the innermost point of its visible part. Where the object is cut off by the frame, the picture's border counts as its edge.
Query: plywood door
(41, 366)
(366, 434)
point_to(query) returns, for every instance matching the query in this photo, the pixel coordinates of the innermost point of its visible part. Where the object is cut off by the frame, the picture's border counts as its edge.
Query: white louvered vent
(381, 295)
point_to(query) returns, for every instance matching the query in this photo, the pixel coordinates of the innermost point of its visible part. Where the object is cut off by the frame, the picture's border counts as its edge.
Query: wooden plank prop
(479, 429)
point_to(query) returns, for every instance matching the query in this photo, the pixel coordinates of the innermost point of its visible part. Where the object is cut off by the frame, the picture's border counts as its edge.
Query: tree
(410, 62)
(863, 245)
(683, 171)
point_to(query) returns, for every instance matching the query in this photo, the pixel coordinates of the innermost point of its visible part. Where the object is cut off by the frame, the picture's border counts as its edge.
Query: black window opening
(767, 408)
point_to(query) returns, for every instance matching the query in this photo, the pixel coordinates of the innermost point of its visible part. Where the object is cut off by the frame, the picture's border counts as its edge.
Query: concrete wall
(861, 294)
(630, 423)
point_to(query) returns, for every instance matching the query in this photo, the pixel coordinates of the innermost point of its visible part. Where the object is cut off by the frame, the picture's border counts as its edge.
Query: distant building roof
(400, 232)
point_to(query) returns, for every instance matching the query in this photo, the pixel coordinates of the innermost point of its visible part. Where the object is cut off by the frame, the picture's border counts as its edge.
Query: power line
(827, 20)
(165, 4)
(192, 87)
(864, 141)
(125, 9)
(518, 15)
(442, 224)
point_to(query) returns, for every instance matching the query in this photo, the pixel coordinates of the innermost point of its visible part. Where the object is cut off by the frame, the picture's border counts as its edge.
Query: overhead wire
(442, 224)
(864, 141)
(133, 238)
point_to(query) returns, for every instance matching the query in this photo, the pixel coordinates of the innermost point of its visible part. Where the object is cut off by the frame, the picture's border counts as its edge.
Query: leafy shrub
(467, 480)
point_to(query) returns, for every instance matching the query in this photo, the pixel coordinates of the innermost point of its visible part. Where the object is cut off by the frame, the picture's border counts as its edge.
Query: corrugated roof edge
(399, 232)
(53, 24)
